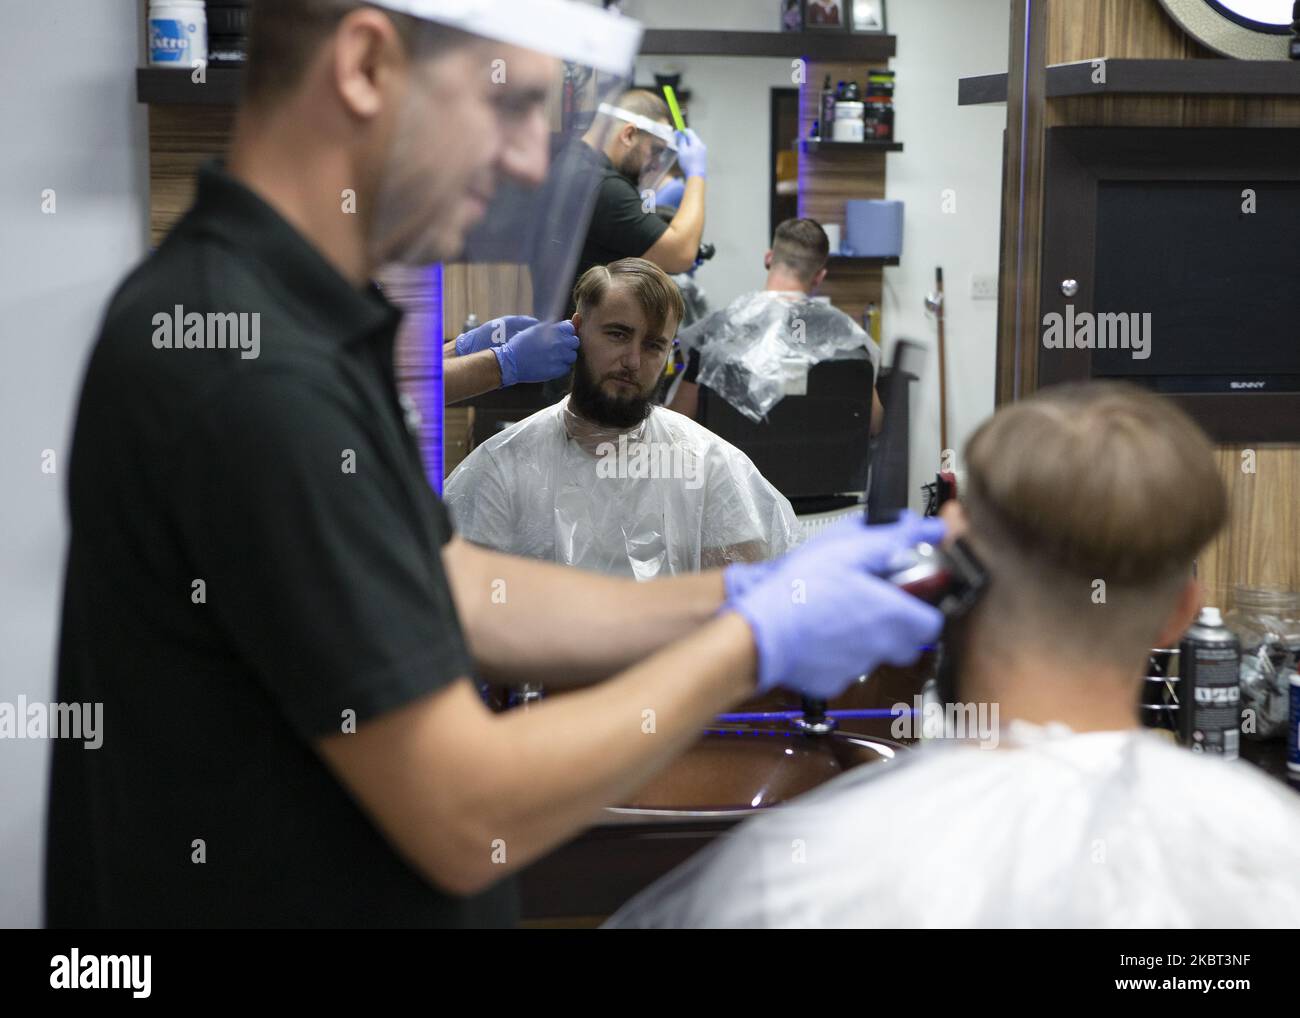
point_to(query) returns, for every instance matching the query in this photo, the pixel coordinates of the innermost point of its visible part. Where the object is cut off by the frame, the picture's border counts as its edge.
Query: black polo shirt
(254, 558)
(620, 227)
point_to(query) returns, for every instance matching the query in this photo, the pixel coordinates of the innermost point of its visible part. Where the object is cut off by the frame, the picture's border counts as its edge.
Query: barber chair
(814, 448)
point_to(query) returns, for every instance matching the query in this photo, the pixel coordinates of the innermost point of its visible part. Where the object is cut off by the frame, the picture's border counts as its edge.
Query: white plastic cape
(1106, 829)
(747, 347)
(664, 498)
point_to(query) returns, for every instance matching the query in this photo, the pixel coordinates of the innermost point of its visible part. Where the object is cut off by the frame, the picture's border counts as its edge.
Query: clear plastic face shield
(489, 172)
(659, 139)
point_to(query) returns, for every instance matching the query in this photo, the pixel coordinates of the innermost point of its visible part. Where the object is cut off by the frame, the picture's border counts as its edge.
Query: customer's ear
(1184, 612)
(576, 321)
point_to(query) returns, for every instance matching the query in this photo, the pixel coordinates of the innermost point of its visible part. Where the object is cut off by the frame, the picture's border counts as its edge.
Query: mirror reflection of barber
(640, 163)
(634, 163)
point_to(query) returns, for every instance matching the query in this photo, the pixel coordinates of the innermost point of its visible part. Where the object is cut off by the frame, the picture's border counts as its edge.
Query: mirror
(1245, 29)
(944, 170)
(1265, 13)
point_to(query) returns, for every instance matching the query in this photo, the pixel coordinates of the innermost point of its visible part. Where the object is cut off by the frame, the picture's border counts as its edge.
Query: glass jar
(1267, 621)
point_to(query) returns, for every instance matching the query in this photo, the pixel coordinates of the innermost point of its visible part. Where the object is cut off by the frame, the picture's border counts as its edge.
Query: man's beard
(589, 400)
(631, 168)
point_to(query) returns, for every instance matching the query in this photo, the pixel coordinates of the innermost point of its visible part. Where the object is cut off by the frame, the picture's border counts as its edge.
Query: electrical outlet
(984, 287)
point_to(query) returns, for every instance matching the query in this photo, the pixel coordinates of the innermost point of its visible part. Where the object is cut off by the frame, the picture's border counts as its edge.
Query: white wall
(730, 110)
(69, 121)
(946, 147)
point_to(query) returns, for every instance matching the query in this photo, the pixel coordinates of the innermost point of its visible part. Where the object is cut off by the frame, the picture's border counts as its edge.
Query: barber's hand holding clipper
(823, 615)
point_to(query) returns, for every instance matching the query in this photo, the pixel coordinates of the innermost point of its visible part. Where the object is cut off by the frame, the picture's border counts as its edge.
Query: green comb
(671, 95)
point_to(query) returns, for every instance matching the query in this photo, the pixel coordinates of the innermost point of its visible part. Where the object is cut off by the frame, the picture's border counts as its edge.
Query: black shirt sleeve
(328, 582)
(619, 224)
(692, 372)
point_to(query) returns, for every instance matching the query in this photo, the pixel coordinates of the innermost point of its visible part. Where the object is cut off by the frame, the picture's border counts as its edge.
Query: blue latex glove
(538, 354)
(821, 616)
(671, 193)
(492, 333)
(692, 155)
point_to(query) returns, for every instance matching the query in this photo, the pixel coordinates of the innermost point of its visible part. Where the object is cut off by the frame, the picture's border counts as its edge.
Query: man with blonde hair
(1071, 815)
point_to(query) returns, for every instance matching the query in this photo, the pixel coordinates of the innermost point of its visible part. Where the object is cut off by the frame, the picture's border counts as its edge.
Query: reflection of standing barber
(639, 150)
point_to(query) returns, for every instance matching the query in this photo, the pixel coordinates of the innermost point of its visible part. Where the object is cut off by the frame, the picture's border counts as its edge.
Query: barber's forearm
(616, 736)
(535, 621)
(689, 220)
(472, 375)
(677, 246)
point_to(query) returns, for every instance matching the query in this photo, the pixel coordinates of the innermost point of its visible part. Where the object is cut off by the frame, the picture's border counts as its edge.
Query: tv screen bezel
(1078, 162)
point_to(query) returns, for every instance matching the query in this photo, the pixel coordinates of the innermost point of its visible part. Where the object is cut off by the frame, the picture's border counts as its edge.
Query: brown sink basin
(736, 769)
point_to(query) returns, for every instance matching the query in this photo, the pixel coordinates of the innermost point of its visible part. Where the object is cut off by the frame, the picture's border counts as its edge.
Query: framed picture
(825, 15)
(791, 15)
(867, 15)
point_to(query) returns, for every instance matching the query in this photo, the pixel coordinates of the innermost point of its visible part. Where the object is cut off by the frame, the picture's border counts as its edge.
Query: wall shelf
(815, 145)
(825, 47)
(173, 86)
(1147, 77)
(857, 262)
(165, 85)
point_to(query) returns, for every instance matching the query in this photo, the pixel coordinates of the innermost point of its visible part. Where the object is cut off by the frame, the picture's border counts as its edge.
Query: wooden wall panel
(828, 179)
(1022, 203)
(1261, 543)
(1088, 29)
(488, 291)
(181, 139)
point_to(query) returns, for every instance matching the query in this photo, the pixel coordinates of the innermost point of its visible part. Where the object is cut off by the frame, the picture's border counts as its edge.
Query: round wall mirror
(1246, 29)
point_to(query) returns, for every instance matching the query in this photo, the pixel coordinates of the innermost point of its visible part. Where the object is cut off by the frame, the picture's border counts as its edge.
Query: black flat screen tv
(1171, 258)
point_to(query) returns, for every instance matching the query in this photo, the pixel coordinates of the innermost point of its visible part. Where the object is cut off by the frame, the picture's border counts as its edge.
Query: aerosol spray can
(1209, 687)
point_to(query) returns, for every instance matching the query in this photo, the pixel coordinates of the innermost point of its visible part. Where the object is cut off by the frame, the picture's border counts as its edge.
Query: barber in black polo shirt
(633, 160)
(267, 597)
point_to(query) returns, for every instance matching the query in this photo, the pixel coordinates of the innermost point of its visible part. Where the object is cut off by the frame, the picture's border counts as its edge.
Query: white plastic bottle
(178, 33)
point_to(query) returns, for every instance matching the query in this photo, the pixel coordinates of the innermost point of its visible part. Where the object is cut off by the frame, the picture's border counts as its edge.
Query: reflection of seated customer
(740, 352)
(1078, 817)
(604, 479)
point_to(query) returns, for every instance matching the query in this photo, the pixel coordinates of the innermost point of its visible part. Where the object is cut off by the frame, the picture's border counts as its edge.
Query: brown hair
(1087, 482)
(657, 295)
(801, 245)
(644, 103)
(285, 36)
